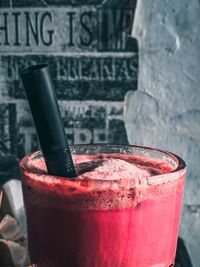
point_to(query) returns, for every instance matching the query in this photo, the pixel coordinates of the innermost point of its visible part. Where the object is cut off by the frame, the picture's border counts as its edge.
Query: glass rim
(158, 178)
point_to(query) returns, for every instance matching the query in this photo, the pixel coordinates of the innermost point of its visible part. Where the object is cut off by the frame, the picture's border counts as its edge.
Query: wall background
(167, 103)
(93, 59)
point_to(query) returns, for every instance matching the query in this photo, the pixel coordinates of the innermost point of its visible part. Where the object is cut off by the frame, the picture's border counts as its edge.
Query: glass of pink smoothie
(122, 210)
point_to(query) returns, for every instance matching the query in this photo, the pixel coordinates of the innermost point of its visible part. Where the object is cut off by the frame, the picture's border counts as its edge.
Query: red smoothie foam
(116, 213)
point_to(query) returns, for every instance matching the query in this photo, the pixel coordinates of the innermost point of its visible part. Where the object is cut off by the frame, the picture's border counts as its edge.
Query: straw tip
(33, 68)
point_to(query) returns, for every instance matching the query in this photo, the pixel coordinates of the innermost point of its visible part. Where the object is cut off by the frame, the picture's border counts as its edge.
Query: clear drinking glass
(104, 222)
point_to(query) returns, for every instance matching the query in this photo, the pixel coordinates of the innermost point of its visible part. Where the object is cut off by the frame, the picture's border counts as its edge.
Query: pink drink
(123, 209)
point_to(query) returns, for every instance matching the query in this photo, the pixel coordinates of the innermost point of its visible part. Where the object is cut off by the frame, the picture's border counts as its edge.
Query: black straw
(43, 103)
